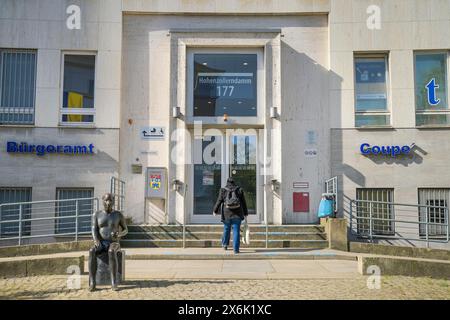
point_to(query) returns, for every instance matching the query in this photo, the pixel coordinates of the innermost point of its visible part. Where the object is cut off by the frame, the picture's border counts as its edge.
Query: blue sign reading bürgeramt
(42, 149)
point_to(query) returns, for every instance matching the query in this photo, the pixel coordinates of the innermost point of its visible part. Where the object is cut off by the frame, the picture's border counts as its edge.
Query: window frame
(260, 85)
(32, 110)
(447, 91)
(80, 111)
(388, 112)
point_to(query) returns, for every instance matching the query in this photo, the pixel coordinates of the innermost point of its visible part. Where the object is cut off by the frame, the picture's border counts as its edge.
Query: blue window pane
(370, 84)
(432, 119)
(427, 68)
(372, 120)
(77, 118)
(79, 76)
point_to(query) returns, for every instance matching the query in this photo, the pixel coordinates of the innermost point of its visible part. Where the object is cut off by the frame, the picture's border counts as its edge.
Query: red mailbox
(301, 201)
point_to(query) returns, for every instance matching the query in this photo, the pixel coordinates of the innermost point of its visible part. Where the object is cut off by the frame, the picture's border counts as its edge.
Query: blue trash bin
(325, 208)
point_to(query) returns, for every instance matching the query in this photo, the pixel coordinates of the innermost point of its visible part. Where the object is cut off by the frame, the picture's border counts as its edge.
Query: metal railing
(46, 221)
(397, 221)
(331, 189)
(117, 188)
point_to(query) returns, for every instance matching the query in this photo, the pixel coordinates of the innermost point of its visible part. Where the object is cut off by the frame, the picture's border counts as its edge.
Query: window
(431, 88)
(380, 212)
(12, 212)
(371, 99)
(17, 86)
(225, 84)
(78, 89)
(70, 208)
(438, 200)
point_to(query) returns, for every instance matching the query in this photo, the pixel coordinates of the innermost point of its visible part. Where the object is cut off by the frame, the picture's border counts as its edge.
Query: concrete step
(219, 228)
(246, 254)
(217, 235)
(176, 243)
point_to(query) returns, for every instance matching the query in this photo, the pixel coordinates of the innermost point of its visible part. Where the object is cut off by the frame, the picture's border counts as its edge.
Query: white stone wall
(41, 25)
(406, 26)
(50, 171)
(153, 83)
(135, 86)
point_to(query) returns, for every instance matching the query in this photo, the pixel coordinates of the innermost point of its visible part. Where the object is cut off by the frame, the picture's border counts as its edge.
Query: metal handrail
(47, 218)
(45, 201)
(43, 230)
(369, 215)
(400, 204)
(117, 188)
(331, 189)
(402, 221)
(184, 217)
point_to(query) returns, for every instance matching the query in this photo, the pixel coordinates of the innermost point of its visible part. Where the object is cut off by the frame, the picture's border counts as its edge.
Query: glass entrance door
(208, 175)
(242, 168)
(215, 159)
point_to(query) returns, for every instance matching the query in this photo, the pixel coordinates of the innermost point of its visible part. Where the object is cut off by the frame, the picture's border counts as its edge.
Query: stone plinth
(103, 275)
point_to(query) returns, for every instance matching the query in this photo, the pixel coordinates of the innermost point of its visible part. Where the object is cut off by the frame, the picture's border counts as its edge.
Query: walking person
(231, 202)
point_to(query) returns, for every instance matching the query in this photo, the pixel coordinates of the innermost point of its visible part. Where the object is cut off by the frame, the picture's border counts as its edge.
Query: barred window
(9, 211)
(436, 213)
(382, 213)
(17, 86)
(78, 94)
(71, 208)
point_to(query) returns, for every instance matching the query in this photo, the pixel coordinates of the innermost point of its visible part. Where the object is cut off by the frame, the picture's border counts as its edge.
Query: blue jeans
(236, 224)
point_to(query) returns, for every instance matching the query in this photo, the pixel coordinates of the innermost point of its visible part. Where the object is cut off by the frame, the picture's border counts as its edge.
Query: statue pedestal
(103, 275)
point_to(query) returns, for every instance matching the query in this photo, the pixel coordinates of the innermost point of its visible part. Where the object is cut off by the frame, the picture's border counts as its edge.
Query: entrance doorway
(218, 156)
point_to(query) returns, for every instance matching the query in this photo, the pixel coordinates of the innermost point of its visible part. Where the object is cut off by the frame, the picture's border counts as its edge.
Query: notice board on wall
(301, 201)
(156, 183)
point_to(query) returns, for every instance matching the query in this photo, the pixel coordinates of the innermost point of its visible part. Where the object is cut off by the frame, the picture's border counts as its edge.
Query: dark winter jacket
(226, 213)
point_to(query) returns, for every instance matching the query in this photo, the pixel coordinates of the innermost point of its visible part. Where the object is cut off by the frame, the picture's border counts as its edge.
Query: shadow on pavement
(280, 250)
(134, 284)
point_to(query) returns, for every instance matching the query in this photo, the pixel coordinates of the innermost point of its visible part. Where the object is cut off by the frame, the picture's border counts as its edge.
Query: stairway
(207, 236)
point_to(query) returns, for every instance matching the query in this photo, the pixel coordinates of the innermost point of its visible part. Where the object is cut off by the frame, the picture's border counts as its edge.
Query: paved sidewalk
(158, 273)
(240, 269)
(55, 287)
(215, 263)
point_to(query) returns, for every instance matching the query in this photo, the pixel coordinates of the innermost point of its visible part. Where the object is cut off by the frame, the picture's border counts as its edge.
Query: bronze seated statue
(108, 226)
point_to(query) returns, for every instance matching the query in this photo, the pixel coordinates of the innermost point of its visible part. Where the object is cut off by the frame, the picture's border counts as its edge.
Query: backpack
(232, 200)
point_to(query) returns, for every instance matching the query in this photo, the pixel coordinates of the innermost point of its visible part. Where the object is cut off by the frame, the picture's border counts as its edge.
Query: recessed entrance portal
(216, 158)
